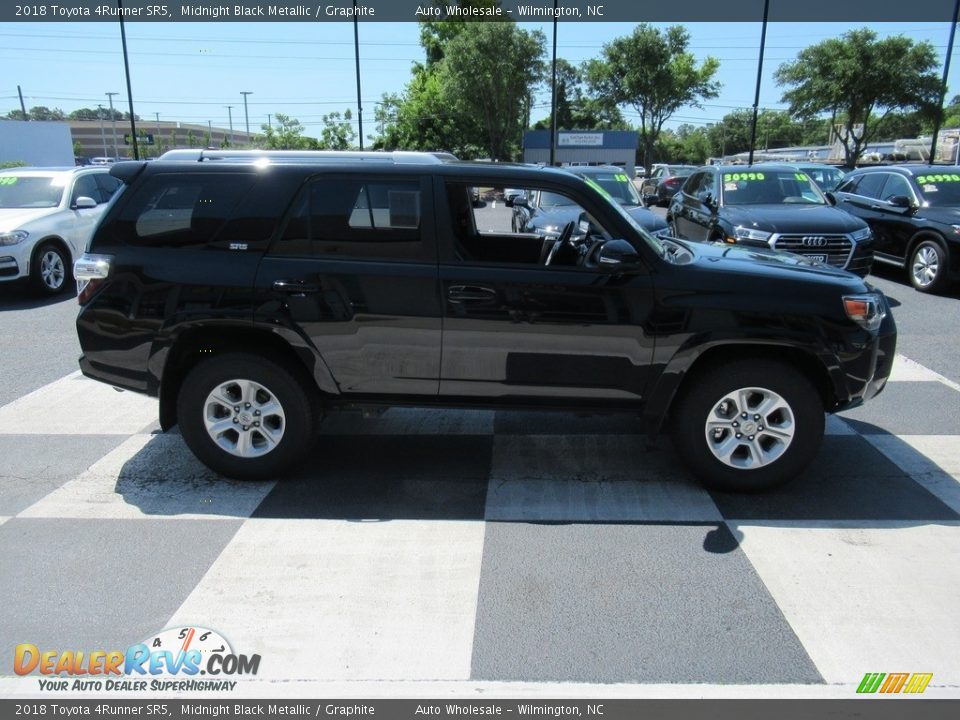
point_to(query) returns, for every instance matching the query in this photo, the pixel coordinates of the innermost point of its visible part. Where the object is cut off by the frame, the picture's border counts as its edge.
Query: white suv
(46, 218)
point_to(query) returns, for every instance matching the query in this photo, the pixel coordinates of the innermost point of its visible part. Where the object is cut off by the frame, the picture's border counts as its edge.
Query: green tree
(286, 133)
(652, 72)
(855, 77)
(338, 132)
(576, 110)
(191, 138)
(39, 112)
(492, 69)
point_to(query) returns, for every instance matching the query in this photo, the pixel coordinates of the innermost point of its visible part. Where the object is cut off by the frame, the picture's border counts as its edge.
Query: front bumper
(15, 261)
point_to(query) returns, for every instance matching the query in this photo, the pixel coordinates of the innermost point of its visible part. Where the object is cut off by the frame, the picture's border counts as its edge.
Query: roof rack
(397, 157)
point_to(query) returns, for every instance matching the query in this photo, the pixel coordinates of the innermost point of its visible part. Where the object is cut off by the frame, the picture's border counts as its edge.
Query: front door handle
(471, 294)
(295, 287)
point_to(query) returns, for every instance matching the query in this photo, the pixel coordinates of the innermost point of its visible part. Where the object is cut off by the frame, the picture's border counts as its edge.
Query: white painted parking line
(865, 597)
(3, 519)
(411, 421)
(933, 461)
(151, 476)
(591, 477)
(382, 601)
(907, 370)
(75, 405)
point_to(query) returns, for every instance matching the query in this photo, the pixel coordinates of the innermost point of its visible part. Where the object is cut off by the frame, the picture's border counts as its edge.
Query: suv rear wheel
(748, 426)
(246, 417)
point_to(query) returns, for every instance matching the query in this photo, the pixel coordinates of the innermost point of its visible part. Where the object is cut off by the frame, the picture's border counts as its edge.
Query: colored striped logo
(889, 683)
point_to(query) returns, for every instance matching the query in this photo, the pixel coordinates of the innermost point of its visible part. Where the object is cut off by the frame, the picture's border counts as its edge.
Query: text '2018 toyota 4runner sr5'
(254, 293)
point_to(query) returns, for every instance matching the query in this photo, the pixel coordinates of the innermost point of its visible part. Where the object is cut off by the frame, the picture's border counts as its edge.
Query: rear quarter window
(181, 209)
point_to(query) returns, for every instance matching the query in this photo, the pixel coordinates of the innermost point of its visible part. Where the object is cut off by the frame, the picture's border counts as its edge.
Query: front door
(522, 322)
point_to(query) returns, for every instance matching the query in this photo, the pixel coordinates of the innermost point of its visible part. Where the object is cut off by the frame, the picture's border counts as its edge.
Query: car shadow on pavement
(870, 478)
(20, 296)
(898, 275)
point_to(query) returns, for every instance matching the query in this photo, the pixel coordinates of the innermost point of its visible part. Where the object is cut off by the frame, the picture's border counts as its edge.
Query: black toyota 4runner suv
(254, 293)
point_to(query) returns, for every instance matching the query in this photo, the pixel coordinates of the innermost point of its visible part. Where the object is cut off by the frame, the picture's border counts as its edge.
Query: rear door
(353, 272)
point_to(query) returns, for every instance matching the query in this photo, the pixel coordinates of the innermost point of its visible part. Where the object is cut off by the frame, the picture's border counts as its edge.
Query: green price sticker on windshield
(622, 178)
(8, 180)
(924, 179)
(736, 177)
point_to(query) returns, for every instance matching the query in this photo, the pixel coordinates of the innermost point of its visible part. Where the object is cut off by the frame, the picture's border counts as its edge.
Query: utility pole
(103, 136)
(230, 115)
(356, 51)
(23, 108)
(246, 115)
(209, 133)
(756, 97)
(113, 118)
(943, 85)
(158, 133)
(269, 125)
(553, 93)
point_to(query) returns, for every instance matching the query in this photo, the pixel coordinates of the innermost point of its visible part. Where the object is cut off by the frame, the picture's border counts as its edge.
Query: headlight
(744, 233)
(867, 310)
(12, 238)
(862, 234)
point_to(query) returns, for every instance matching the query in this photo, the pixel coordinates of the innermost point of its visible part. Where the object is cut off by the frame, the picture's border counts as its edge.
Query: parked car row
(904, 215)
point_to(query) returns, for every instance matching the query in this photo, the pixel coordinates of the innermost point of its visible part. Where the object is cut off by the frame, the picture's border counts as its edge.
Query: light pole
(230, 115)
(113, 118)
(103, 137)
(246, 115)
(269, 124)
(157, 140)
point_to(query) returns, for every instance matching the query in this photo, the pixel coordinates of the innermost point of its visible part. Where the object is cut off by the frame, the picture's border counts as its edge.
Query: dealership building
(584, 147)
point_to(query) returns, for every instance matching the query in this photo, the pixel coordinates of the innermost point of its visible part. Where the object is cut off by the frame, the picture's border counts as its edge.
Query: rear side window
(869, 185)
(356, 217)
(182, 209)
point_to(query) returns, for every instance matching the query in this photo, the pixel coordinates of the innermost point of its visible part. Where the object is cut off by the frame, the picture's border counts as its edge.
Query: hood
(738, 258)
(945, 215)
(790, 218)
(649, 221)
(15, 218)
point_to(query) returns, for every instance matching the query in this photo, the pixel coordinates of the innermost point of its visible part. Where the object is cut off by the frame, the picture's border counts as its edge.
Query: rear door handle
(297, 287)
(470, 293)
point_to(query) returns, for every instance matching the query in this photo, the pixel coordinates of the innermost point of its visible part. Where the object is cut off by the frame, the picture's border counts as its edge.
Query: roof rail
(397, 157)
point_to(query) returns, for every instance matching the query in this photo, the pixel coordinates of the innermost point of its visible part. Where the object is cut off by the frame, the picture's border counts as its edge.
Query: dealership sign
(567, 139)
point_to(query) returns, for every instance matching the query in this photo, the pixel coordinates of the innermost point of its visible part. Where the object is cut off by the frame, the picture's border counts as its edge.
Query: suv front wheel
(246, 417)
(748, 425)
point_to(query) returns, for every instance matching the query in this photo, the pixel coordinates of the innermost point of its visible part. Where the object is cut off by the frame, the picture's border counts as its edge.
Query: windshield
(552, 200)
(30, 192)
(652, 241)
(940, 190)
(770, 187)
(618, 186)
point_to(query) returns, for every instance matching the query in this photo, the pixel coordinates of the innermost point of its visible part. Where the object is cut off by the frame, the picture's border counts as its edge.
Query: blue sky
(191, 71)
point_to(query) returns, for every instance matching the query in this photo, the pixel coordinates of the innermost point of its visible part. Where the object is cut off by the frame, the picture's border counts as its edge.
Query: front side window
(896, 185)
(86, 186)
(869, 185)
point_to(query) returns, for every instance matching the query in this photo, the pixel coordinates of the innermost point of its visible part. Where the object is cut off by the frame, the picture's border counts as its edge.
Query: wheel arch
(682, 372)
(61, 244)
(174, 361)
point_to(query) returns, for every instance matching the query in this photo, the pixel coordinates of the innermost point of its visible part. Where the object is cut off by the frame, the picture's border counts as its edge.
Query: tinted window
(108, 185)
(694, 184)
(356, 217)
(896, 185)
(182, 208)
(869, 185)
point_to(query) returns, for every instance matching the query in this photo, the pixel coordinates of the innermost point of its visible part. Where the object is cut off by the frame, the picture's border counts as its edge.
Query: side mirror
(831, 198)
(901, 201)
(83, 202)
(614, 254)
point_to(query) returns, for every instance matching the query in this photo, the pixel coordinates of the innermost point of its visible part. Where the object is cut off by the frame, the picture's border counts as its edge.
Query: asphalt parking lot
(466, 552)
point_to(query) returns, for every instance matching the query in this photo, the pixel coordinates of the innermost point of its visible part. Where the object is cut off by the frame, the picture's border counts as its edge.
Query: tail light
(90, 271)
(672, 183)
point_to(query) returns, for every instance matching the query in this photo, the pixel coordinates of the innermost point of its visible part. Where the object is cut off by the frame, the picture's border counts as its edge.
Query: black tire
(50, 271)
(703, 399)
(927, 266)
(293, 427)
